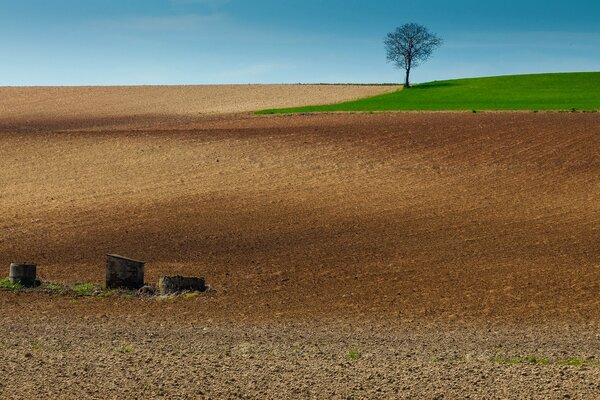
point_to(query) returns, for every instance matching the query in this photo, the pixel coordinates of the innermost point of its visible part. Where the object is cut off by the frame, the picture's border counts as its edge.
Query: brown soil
(63, 103)
(319, 234)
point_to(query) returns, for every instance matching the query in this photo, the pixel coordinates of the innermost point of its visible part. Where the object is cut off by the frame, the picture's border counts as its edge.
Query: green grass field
(564, 91)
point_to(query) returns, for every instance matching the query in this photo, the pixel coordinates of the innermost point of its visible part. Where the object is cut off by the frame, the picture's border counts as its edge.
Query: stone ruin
(175, 284)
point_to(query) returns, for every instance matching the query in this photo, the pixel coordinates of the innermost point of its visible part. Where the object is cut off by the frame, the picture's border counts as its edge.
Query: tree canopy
(410, 45)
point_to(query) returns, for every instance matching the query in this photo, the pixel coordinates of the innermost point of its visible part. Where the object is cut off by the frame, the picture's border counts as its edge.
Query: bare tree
(410, 45)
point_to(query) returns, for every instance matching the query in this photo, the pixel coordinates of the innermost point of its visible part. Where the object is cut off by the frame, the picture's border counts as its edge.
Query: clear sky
(117, 42)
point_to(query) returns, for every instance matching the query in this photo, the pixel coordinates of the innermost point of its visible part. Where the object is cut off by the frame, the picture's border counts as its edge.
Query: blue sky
(117, 42)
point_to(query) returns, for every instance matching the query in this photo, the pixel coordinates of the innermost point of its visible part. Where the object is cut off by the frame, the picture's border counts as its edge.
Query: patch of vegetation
(534, 360)
(7, 284)
(509, 360)
(354, 355)
(94, 290)
(190, 295)
(126, 349)
(85, 289)
(54, 288)
(577, 362)
(573, 92)
(37, 346)
(106, 293)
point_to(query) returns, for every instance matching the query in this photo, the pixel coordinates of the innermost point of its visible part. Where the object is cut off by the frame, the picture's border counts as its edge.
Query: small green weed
(577, 362)
(106, 293)
(54, 289)
(37, 346)
(126, 349)
(536, 360)
(85, 289)
(190, 295)
(354, 355)
(6, 284)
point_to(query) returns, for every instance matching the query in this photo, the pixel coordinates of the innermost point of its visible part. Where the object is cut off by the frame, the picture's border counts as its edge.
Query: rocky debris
(147, 290)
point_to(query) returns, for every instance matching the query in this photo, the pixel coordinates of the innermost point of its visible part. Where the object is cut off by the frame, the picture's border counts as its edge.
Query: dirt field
(412, 255)
(152, 102)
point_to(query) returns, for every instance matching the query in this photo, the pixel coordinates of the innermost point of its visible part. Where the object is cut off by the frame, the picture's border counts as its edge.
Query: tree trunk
(407, 78)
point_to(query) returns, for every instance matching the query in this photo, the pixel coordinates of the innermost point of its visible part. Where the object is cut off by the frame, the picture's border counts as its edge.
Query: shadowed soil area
(396, 215)
(405, 223)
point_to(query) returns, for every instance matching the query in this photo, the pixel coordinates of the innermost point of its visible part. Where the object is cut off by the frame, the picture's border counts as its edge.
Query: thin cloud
(210, 3)
(174, 23)
(254, 70)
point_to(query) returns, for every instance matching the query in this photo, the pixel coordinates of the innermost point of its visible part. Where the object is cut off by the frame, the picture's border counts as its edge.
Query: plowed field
(322, 236)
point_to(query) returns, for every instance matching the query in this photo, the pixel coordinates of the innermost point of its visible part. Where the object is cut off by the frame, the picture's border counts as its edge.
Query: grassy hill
(563, 91)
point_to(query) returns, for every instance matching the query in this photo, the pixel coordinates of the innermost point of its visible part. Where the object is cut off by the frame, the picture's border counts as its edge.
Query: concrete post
(123, 272)
(25, 274)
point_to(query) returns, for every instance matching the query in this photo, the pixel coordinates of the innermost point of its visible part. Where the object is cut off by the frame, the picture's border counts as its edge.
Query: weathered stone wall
(173, 284)
(122, 272)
